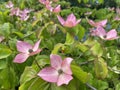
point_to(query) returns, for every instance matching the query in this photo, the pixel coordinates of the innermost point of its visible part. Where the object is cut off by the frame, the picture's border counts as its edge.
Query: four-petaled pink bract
(26, 50)
(9, 5)
(97, 24)
(70, 22)
(100, 31)
(59, 72)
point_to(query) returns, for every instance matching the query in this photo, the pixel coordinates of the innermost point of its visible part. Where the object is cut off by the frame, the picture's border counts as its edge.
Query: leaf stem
(91, 87)
(83, 63)
(37, 64)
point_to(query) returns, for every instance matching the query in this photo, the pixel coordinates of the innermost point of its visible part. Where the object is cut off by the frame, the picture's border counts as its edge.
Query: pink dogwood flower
(15, 11)
(55, 10)
(9, 5)
(117, 18)
(100, 31)
(23, 14)
(45, 2)
(70, 22)
(96, 24)
(111, 35)
(26, 50)
(59, 72)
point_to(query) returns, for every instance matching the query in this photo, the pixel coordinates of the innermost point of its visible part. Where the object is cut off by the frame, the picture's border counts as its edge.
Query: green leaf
(79, 73)
(35, 84)
(79, 30)
(19, 34)
(28, 74)
(97, 50)
(71, 86)
(79, 1)
(8, 78)
(4, 51)
(100, 84)
(82, 47)
(101, 69)
(118, 86)
(69, 39)
(30, 81)
(90, 42)
(101, 1)
(42, 60)
(56, 48)
(55, 87)
(85, 1)
(3, 64)
(5, 29)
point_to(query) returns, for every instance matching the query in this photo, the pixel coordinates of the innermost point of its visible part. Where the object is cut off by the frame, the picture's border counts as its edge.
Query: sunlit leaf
(101, 69)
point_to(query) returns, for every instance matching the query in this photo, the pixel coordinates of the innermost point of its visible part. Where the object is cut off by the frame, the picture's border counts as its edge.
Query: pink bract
(97, 24)
(57, 9)
(9, 5)
(70, 22)
(59, 72)
(15, 11)
(25, 50)
(45, 2)
(100, 31)
(111, 35)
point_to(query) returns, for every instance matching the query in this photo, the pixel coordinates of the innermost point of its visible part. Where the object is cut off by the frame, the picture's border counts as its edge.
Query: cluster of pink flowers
(48, 5)
(22, 14)
(59, 72)
(99, 30)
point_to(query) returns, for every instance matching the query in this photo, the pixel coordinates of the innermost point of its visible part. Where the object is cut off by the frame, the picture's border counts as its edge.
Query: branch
(83, 63)
(91, 87)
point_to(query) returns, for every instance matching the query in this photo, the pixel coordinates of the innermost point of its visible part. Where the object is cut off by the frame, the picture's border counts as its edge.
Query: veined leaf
(79, 73)
(4, 51)
(101, 69)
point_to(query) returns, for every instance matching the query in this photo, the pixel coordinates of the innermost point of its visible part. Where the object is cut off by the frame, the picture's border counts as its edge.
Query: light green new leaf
(28, 74)
(79, 1)
(82, 47)
(118, 86)
(5, 29)
(101, 69)
(56, 48)
(35, 84)
(69, 39)
(97, 50)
